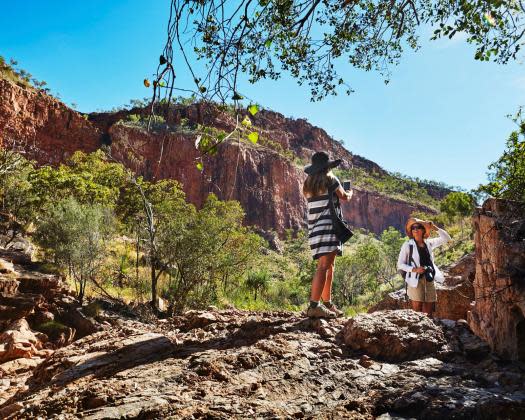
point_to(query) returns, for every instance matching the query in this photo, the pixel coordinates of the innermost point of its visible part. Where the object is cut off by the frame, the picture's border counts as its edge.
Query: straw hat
(320, 162)
(413, 221)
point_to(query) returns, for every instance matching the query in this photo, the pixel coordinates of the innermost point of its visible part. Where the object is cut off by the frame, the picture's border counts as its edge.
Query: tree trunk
(153, 285)
(82, 287)
(137, 254)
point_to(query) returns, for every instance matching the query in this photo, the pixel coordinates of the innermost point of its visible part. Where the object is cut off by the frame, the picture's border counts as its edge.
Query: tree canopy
(507, 176)
(309, 39)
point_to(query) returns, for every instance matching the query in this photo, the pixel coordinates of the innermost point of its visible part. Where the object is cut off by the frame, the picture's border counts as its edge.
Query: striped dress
(321, 237)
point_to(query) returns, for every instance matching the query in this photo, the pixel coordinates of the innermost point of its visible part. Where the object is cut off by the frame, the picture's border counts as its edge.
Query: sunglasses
(416, 227)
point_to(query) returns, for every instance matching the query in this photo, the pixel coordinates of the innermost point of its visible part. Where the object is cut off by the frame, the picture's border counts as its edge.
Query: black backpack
(340, 226)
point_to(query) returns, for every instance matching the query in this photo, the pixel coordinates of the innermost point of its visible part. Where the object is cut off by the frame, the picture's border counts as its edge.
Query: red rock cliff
(498, 315)
(48, 129)
(267, 184)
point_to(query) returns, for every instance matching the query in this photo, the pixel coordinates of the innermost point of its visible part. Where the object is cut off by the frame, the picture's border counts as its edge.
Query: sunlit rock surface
(235, 364)
(499, 312)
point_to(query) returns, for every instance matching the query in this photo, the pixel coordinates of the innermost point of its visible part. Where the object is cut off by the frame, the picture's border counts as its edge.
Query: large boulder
(394, 335)
(392, 301)
(20, 341)
(455, 295)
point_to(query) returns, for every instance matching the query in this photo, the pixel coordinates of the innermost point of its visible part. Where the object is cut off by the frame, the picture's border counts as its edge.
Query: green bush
(16, 192)
(507, 179)
(208, 252)
(52, 329)
(457, 204)
(257, 282)
(76, 235)
(133, 118)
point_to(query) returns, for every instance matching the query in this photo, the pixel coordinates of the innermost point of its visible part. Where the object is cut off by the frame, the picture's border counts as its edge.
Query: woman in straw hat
(321, 236)
(416, 259)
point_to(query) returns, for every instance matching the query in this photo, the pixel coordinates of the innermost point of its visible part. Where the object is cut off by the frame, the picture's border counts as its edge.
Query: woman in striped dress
(321, 237)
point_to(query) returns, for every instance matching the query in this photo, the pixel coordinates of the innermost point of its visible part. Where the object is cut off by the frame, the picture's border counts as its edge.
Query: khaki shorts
(424, 292)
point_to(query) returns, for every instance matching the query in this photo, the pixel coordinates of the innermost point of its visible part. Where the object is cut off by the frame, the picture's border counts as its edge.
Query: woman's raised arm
(344, 195)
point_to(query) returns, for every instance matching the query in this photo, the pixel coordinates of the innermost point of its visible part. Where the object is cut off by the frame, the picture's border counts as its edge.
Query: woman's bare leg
(417, 306)
(428, 307)
(327, 289)
(319, 280)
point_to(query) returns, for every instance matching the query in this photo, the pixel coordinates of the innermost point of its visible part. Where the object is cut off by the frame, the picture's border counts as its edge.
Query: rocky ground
(106, 360)
(234, 364)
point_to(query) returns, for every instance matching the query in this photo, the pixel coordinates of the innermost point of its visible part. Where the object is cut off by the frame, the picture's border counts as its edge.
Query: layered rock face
(38, 314)
(47, 129)
(266, 183)
(268, 186)
(498, 315)
(376, 212)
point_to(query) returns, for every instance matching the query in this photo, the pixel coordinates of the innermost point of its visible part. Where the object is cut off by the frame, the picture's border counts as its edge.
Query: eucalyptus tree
(311, 39)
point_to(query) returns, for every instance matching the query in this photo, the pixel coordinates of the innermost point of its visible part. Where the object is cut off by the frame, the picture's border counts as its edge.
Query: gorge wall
(263, 179)
(47, 129)
(498, 315)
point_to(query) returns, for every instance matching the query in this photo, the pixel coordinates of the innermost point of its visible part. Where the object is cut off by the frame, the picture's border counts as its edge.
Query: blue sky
(441, 117)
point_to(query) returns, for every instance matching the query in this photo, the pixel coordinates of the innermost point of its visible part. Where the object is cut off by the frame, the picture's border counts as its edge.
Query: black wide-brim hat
(321, 162)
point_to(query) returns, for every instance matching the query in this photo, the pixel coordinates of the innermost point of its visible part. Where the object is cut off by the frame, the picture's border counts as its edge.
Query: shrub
(76, 235)
(457, 204)
(52, 329)
(257, 282)
(210, 250)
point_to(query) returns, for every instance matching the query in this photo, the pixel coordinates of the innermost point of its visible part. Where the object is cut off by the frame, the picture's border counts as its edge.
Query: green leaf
(268, 43)
(253, 137)
(200, 166)
(253, 109)
(246, 121)
(162, 83)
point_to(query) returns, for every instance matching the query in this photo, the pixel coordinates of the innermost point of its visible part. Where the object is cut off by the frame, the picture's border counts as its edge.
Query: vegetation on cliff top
(10, 71)
(507, 176)
(393, 185)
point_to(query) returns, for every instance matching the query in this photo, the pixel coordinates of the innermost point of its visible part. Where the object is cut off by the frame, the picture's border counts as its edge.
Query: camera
(347, 185)
(429, 273)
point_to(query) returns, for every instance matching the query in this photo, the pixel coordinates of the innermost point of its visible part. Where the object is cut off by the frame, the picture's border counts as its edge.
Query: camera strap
(411, 249)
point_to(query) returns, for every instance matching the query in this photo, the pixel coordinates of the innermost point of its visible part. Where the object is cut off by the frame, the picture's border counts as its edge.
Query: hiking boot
(320, 311)
(332, 308)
